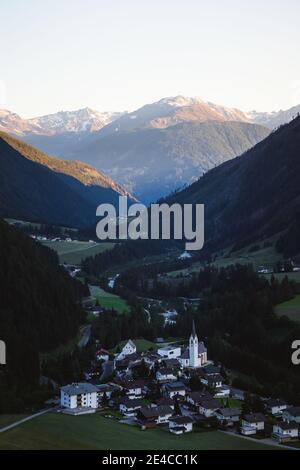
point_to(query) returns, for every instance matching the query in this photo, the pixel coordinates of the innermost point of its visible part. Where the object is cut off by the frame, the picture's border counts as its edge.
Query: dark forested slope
(39, 309)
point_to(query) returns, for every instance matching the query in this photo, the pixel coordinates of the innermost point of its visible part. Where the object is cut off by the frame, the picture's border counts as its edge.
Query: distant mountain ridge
(154, 162)
(254, 196)
(80, 121)
(275, 118)
(39, 188)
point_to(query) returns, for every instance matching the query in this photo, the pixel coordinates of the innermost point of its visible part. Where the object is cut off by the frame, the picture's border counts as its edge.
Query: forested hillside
(39, 310)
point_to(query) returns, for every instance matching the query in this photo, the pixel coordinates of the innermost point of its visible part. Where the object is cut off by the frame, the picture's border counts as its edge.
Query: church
(195, 355)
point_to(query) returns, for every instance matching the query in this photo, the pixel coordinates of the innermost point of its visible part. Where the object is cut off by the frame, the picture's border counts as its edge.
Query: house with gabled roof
(150, 416)
(284, 431)
(180, 424)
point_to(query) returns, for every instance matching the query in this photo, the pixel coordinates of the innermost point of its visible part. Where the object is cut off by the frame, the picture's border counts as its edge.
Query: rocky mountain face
(274, 119)
(82, 121)
(154, 162)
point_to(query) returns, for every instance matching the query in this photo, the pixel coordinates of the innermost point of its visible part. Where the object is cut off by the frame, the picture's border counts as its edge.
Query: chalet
(173, 363)
(79, 396)
(128, 349)
(291, 414)
(166, 374)
(129, 407)
(284, 431)
(195, 398)
(208, 408)
(154, 415)
(152, 358)
(124, 365)
(165, 401)
(251, 423)
(106, 389)
(275, 407)
(175, 389)
(180, 424)
(228, 415)
(212, 381)
(133, 389)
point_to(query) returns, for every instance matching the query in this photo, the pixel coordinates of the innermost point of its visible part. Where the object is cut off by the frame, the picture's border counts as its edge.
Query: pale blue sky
(118, 55)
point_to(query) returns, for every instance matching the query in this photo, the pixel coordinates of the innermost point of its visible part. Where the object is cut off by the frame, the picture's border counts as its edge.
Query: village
(180, 390)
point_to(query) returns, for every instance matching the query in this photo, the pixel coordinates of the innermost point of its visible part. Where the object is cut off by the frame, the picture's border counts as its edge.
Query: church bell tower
(193, 348)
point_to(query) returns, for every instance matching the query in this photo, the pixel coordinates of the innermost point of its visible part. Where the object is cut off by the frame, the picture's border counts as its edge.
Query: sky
(116, 55)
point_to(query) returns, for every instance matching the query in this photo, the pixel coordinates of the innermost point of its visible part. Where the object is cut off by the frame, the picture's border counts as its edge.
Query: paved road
(266, 441)
(28, 418)
(108, 368)
(85, 336)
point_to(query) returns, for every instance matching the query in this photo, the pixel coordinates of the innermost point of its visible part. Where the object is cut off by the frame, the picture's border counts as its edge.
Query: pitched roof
(285, 425)
(275, 402)
(293, 410)
(155, 411)
(199, 396)
(254, 418)
(227, 412)
(166, 371)
(131, 343)
(79, 388)
(210, 404)
(165, 401)
(182, 420)
(130, 402)
(175, 386)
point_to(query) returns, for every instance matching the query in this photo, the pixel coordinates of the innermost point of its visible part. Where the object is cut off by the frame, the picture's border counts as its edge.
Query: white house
(252, 423)
(106, 389)
(276, 406)
(180, 424)
(222, 392)
(129, 407)
(208, 408)
(195, 398)
(195, 355)
(79, 395)
(175, 389)
(227, 415)
(150, 415)
(169, 352)
(166, 373)
(284, 431)
(213, 380)
(128, 349)
(291, 414)
(133, 389)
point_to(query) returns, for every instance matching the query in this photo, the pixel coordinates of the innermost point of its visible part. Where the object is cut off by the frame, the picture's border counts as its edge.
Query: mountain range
(154, 150)
(39, 188)
(253, 197)
(151, 163)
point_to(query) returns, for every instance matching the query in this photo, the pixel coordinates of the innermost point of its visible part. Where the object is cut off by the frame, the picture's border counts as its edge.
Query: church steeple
(193, 347)
(193, 335)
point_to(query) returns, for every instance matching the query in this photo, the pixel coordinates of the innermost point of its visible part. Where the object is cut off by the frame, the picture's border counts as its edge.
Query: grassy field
(57, 431)
(233, 402)
(75, 252)
(5, 420)
(109, 300)
(291, 309)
